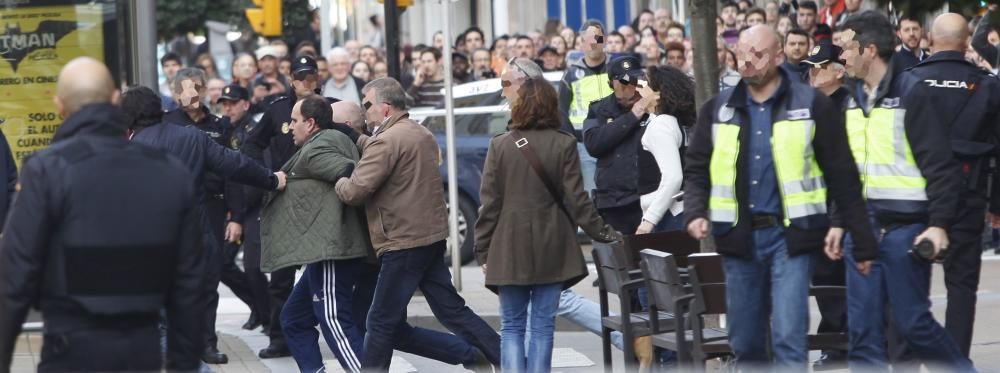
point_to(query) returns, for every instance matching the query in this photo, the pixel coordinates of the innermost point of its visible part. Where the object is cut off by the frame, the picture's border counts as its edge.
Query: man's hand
(937, 236)
(833, 249)
(698, 228)
(993, 220)
(864, 267)
(281, 180)
(645, 227)
(234, 231)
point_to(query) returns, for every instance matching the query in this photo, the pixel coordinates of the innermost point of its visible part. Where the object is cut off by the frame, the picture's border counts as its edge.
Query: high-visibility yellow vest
(800, 179)
(882, 153)
(584, 88)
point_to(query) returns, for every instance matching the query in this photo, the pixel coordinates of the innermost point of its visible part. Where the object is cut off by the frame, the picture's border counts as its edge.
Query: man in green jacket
(308, 225)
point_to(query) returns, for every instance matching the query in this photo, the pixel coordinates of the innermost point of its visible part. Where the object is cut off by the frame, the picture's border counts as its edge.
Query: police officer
(274, 135)
(612, 135)
(763, 159)
(965, 98)
(584, 83)
(84, 248)
(912, 185)
(826, 71)
(243, 226)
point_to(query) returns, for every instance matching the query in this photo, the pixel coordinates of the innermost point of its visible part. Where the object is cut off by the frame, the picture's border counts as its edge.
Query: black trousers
(833, 310)
(234, 277)
(91, 349)
(215, 220)
(279, 288)
(962, 268)
(255, 279)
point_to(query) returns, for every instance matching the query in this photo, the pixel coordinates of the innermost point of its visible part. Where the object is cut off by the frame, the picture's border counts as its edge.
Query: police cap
(234, 92)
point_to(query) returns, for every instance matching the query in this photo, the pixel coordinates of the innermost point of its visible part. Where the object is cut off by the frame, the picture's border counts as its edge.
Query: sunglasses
(599, 39)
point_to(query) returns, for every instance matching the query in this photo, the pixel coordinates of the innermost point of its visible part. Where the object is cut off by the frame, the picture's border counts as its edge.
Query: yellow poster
(35, 43)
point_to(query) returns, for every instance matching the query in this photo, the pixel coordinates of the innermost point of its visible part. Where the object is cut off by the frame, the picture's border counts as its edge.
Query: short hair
(170, 56)
(675, 46)
(192, 73)
(616, 34)
(677, 26)
(592, 23)
(899, 25)
(520, 37)
(480, 50)
(338, 52)
(527, 67)
(808, 4)
(141, 107)
(537, 107)
(796, 31)
(315, 107)
(756, 10)
(873, 28)
(433, 51)
(729, 4)
(387, 90)
(476, 30)
(493, 45)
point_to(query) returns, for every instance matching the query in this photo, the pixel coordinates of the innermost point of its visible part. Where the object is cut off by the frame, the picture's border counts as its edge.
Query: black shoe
(831, 360)
(253, 322)
(272, 351)
(481, 365)
(213, 356)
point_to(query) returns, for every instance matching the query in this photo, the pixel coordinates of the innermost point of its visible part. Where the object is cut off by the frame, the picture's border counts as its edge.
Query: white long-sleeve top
(663, 138)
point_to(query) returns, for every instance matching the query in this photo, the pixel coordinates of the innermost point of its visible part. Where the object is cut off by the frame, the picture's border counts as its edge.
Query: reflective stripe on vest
(585, 91)
(800, 179)
(888, 169)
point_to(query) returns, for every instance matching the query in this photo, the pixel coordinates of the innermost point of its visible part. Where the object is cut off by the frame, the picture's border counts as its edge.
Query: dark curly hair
(676, 93)
(141, 107)
(537, 107)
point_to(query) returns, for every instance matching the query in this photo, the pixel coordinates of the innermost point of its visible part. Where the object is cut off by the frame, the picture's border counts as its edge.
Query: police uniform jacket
(613, 135)
(103, 227)
(236, 194)
(831, 151)
(216, 129)
(273, 132)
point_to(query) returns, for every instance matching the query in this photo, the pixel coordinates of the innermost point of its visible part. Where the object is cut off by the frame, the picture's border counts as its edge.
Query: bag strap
(529, 154)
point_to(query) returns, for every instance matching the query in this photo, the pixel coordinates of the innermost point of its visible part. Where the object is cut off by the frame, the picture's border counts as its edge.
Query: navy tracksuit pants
(323, 296)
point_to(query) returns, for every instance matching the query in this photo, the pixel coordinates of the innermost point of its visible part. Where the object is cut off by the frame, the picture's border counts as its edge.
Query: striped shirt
(430, 93)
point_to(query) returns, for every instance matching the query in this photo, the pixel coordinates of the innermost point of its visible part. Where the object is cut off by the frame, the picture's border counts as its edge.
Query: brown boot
(644, 352)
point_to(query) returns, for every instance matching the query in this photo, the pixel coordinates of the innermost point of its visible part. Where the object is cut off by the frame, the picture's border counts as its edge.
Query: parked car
(480, 114)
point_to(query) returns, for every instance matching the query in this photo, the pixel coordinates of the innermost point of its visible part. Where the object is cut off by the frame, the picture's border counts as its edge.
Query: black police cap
(304, 64)
(234, 92)
(626, 68)
(822, 54)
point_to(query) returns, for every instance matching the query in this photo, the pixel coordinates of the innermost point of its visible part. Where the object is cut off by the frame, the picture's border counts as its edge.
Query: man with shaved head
(765, 157)
(966, 99)
(913, 186)
(102, 237)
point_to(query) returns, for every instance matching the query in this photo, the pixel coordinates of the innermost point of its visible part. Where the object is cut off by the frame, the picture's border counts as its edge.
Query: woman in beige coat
(525, 240)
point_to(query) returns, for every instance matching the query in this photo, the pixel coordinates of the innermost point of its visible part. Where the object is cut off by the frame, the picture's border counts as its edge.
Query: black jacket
(8, 170)
(92, 208)
(613, 136)
(965, 98)
(236, 196)
(832, 153)
(212, 126)
(273, 132)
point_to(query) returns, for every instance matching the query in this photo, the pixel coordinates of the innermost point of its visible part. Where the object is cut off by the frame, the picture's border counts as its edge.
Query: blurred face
(214, 89)
(340, 67)
(796, 47)
(428, 64)
(754, 19)
(826, 76)
(551, 60)
(662, 20)
(993, 37)
(511, 80)
(592, 41)
(170, 68)
(353, 48)
(852, 5)
(856, 59)
(756, 63)
(651, 50)
(481, 60)
(415, 59)
(302, 129)
(910, 33)
(806, 19)
(381, 70)
(615, 44)
(784, 24)
(361, 71)
(675, 35)
(459, 66)
(368, 55)
(728, 16)
(235, 110)
(628, 33)
(190, 94)
(268, 65)
(626, 94)
(741, 19)
(285, 67)
(646, 20)
(676, 58)
(207, 65)
(323, 70)
(558, 43)
(473, 41)
(772, 11)
(375, 112)
(438, 41)
(567, 34)
(524, 48)
(306, 86)
(245, 67)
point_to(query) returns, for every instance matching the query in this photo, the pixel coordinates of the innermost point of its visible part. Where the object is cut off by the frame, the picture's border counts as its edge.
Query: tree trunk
(703, 39)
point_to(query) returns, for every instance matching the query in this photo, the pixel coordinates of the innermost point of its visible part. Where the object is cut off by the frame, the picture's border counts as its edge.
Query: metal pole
(392, 38)
(143, 25)
(449, 108)
(324, 28)
(501, 22)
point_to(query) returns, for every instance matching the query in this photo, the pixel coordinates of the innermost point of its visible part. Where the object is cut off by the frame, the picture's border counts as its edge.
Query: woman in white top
(663, 142)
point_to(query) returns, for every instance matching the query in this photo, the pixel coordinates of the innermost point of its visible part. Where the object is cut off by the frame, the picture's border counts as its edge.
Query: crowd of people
(820, 161)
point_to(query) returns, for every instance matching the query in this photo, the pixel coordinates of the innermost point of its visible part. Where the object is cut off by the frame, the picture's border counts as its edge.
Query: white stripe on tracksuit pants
(322, 296)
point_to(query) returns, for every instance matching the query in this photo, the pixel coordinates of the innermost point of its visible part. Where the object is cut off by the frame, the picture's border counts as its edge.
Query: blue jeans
(402, 272)
(323, 296)
(514, 301)
(903, 281)
(770, 289)
(588, 167)
(584, 312)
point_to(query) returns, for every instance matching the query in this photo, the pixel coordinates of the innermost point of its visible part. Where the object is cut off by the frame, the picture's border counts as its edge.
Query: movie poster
(35, 42)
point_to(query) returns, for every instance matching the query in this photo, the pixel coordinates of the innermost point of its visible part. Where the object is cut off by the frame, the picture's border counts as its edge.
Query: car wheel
(467, 216)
